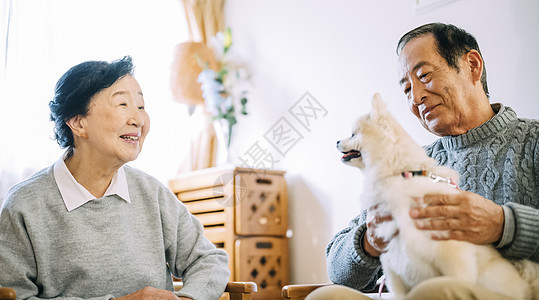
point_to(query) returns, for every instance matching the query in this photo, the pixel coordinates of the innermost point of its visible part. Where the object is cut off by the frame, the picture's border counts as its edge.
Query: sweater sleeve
(16, 255)
(191, 256)
(525, 242)
(347, 262)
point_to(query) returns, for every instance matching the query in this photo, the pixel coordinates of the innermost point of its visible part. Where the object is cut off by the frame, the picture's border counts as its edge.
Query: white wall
(343, 51)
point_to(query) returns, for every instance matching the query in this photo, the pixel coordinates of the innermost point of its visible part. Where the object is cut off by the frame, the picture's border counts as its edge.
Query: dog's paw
(387, 230)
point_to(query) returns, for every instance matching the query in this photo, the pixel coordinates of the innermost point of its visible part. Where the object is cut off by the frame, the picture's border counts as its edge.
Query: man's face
(438, 95)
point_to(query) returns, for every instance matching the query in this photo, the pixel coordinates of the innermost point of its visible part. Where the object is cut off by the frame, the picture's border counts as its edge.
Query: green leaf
(231, 120)
(221, 74)
(228, 39)
(203, 64)
(243, 106)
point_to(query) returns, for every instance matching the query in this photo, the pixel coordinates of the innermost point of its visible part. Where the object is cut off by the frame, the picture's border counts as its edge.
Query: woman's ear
(475, 63)
(76, 124)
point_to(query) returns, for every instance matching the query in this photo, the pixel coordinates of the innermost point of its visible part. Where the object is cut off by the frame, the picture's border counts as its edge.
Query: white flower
(217, 44)
(224, 91)
(211, 91)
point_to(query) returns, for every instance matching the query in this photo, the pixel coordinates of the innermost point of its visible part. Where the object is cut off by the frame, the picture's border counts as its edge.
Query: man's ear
(475, 63)
(76, 124)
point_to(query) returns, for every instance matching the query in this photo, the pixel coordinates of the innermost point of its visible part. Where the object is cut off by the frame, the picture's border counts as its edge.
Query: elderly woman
(90, 226)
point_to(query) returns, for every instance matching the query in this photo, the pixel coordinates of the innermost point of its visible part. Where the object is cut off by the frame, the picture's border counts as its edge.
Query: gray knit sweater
(107, 247)
(498, 160)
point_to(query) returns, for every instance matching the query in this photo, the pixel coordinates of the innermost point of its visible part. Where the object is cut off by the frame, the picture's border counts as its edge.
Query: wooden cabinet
(245, 212)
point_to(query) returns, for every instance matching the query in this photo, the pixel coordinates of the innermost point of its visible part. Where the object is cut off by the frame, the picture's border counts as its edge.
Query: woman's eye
(141, 107)
(123, 104)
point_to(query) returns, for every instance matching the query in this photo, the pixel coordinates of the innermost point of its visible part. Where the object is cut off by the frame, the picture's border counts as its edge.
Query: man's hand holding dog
(464, 216)
(374, 243)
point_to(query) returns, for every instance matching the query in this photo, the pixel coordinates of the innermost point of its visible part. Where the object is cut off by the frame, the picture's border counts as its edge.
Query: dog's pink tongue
(350, 154)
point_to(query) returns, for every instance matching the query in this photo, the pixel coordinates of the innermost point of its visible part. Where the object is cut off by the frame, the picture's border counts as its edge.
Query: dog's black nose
(338, 143)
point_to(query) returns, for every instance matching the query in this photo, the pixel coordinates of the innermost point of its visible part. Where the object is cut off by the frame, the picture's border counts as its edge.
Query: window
(46, 38)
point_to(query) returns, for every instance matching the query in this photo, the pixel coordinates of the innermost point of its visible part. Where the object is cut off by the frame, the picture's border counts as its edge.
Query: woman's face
(117, 124)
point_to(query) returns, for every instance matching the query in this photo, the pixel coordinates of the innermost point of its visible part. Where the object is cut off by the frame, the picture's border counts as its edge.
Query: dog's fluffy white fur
(381, 148)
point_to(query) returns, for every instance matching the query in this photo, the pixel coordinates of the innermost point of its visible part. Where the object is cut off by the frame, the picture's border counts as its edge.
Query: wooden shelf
(245, 212)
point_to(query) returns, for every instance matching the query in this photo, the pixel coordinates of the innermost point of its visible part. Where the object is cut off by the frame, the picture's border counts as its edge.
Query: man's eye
(424, 76)
(406, 90)
(141, 107)
(123, 104)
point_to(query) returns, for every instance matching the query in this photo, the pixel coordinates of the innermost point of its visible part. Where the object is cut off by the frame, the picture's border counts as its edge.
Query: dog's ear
(378, 106)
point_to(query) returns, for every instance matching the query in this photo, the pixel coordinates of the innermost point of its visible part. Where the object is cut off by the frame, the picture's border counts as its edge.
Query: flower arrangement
(224, 90)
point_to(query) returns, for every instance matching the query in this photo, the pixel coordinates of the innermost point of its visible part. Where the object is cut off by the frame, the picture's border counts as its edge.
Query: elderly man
(443, 76)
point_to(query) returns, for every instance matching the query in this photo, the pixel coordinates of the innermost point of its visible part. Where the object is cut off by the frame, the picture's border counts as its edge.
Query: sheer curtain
(46, 38)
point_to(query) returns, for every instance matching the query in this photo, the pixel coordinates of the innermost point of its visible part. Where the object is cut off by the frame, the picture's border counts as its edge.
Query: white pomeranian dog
(396, 171)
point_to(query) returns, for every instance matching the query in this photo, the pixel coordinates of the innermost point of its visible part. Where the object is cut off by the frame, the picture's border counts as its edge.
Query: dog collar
(432, 176)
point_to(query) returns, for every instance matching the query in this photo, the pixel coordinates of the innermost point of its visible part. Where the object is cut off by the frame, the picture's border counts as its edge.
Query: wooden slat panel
(210, 177)
(200, 179)
(207, 193)
(214, 218)
(203, 206)
(237, 202)
(215, 234)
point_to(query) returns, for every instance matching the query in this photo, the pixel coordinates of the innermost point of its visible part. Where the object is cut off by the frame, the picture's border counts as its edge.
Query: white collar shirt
(75, 195)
